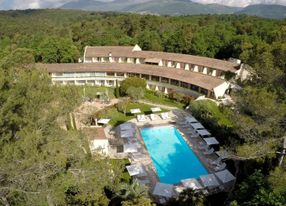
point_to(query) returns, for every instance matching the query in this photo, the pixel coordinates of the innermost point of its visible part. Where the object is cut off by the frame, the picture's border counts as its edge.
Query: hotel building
(165, 72)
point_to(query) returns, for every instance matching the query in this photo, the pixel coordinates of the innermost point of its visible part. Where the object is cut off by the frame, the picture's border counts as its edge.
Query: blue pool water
(173, 159)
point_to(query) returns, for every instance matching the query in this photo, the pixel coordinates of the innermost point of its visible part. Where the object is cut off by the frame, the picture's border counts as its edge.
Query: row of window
(117, 74)
(112, 83)
(165, 63)
(153, 78)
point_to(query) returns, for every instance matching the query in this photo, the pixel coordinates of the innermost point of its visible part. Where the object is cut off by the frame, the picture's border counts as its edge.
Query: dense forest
(41, 164)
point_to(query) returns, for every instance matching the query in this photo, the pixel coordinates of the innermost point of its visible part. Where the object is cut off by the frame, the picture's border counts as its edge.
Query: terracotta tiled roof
(94, 133)
(123, 51)
(104, 51)
(201, 80)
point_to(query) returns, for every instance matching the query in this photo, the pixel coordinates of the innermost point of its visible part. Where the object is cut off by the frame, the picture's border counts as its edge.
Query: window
(164, 80)
(120, 74)
(174, 82)
(110, 74)
(145, 76)
(184, 84)
(133, 75)
(204, 91)
(155, 78)
(194, 87)
(57, 74)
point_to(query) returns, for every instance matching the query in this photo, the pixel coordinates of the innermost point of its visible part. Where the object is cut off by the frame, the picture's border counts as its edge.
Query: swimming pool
(172, 157)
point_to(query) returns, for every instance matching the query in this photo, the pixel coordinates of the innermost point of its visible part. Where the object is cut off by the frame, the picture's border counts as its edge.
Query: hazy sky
(24, 4)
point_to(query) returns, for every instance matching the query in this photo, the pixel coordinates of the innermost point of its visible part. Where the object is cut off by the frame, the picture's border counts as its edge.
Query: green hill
(176, 8)
(161, 7)
(179, 7)
(267, 11)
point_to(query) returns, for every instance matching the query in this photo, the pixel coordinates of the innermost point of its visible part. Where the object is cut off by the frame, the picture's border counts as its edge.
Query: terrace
(126, 142)
(199, 140)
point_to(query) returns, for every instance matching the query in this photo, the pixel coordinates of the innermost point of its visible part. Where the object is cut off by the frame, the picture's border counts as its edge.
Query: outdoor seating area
(127, 132)
(208, 184)
(133, 150)
(136, 170)
(155, 113)
(163, 192)
(141, 118)
(152, 117)
(207, 148)
(165, 115)
(217, 179)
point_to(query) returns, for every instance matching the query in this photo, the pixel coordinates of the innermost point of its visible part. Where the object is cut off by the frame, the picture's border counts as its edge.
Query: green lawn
(153, 98)
(119, 117)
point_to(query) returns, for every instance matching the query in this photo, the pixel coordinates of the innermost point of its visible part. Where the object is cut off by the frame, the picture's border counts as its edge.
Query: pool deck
(189, 135)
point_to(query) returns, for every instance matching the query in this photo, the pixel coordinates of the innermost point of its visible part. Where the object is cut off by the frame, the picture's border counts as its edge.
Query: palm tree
(132, 191)
(190, 197)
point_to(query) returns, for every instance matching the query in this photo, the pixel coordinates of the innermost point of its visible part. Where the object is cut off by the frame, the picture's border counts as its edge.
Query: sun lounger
(165, 115)
(141, 118)
(203, 147)
(182, 123)
(152, 117)
(195, 135)
(162, 201)
(144, 182)
(220, 167)
(208, 152)
(205, 192)
(216, 161)
(137, 157)
(185, 126)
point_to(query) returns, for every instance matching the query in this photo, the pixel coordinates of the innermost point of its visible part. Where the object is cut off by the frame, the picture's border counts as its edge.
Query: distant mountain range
(267, 11)
(176, 7)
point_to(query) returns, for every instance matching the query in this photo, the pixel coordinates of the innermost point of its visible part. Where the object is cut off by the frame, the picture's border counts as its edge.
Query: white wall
(220, 90)
(99, 145)
(243, 74)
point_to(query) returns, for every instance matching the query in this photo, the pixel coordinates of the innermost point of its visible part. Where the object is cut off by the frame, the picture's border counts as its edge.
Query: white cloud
(241, 3)
(31, 4)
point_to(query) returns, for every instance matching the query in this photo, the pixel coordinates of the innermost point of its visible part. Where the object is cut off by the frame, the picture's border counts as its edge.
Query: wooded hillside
(40, 164)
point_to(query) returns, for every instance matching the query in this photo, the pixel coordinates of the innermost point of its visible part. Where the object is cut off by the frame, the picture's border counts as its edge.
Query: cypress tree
(117, 94)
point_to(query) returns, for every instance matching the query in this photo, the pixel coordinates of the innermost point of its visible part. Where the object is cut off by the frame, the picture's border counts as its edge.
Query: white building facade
(187, 74)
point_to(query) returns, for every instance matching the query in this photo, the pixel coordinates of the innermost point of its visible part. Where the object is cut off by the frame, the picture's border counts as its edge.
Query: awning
(156, 109)
(209, 181)
(126, 133)
(127, 126)
(135, 169)
(135, 111)
(192, 183)
(197, 126)
(191, 120)
(203, 132)
(211, 141)
(103, 121)
(130, 148)
(163, 190)
(225, 176)
(222, 154)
